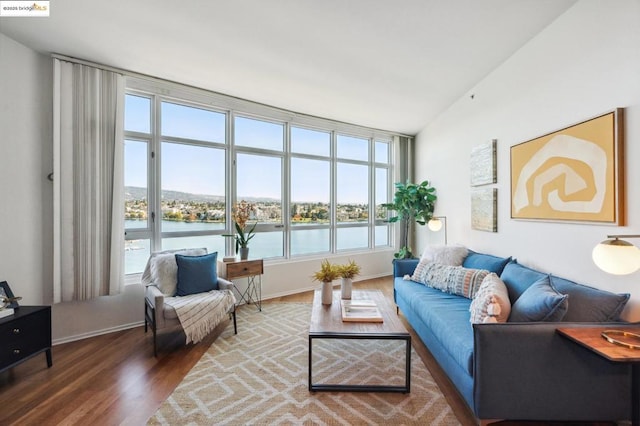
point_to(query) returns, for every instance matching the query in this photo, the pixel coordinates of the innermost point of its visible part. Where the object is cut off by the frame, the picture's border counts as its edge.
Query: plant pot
(327, 292)
(244, 253)
(345, 288)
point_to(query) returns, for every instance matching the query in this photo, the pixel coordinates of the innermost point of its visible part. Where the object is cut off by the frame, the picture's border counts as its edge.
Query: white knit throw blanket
(200, 313)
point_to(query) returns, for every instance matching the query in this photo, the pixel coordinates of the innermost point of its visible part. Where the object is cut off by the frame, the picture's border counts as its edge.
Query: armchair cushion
(196, 274)
(162, 270)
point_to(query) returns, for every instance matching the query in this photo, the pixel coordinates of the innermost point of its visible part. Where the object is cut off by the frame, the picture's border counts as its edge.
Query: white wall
(584, 64)
(25, 162)
(26, 200)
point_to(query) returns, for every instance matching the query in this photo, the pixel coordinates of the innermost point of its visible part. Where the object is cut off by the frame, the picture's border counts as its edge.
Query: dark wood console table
(25, 334)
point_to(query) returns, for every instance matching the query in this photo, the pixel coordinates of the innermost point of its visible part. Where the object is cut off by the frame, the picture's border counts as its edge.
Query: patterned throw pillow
(451, 279)
(491, 303)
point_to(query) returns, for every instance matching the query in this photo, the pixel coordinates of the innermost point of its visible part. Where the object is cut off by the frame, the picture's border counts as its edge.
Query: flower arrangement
(241, 213)
(350, 270)
(327, 272)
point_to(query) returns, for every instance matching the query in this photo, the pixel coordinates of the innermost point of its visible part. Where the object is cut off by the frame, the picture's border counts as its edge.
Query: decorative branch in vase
(241, 213)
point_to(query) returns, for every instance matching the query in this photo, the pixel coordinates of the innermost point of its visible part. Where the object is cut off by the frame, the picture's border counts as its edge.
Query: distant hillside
(138, 193)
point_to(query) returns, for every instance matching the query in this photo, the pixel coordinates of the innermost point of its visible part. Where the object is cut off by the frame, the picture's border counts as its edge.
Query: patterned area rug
(260, 376)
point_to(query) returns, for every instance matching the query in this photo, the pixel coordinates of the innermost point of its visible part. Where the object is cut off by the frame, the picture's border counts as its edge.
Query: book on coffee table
(360, 311)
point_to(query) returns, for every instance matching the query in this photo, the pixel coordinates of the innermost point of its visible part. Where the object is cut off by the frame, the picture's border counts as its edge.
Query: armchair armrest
(224, 284)
(529, 371)
(402, 267)
(156, 299)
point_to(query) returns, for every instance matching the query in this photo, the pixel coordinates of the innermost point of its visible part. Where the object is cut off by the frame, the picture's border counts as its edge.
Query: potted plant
(348, 272)
(412, 203)
(241, 213)
(326, 275)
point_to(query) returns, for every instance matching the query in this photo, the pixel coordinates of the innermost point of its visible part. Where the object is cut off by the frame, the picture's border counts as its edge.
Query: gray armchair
(166, 312)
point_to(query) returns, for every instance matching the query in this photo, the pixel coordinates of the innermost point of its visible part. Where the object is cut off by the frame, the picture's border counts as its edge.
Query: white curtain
(88, 182)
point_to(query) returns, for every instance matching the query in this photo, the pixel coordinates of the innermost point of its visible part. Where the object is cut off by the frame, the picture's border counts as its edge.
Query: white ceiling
(388, 64)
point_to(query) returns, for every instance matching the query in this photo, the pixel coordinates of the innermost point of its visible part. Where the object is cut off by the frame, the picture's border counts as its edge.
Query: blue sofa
(524, 370)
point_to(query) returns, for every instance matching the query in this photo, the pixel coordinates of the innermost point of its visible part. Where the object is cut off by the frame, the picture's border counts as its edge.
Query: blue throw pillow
(519, 278)
(540, 302)
(590, 304)
(485, 261)
(197, 274)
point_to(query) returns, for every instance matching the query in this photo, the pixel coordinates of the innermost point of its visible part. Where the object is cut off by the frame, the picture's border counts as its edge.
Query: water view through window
(180, 183)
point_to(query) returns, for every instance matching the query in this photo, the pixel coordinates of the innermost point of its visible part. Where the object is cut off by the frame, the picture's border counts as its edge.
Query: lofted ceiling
(387, 64)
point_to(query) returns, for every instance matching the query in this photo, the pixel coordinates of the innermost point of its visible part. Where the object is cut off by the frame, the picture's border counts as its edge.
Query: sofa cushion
(485, 261)
(588, 304)
(540, 302)
(519, 278)
(445, 255)
(491, 303)
(197, 274)
(446, 315)
(451, 279)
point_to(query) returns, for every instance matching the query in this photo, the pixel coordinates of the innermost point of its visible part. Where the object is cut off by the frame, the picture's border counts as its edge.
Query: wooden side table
(252, 270)
(591, 338)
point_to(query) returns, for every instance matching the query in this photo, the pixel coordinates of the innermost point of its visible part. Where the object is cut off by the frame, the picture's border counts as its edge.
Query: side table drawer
(244, 269)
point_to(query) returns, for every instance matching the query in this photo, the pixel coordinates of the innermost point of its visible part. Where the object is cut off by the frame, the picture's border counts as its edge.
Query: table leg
(635, 394)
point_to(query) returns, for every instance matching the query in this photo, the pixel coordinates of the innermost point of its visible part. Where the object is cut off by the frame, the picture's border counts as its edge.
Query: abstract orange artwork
(573, 174)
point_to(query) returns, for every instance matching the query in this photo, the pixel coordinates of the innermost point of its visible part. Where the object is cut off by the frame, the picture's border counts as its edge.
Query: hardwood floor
(114, 379)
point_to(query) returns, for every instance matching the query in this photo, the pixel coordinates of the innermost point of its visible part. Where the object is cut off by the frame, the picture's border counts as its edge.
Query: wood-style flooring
(114, 379)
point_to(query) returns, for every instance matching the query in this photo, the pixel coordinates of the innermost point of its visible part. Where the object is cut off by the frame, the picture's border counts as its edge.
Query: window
(175, 181)
(190, 155)
(137, 125)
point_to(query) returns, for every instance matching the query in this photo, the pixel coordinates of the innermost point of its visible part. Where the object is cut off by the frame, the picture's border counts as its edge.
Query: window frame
(161, 91)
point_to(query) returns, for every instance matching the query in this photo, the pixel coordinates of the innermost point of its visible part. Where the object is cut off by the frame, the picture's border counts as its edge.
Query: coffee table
(326, 323)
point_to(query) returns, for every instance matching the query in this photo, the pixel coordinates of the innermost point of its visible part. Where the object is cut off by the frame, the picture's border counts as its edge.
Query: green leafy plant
(349, 270)
(327, 272)
(412, 203)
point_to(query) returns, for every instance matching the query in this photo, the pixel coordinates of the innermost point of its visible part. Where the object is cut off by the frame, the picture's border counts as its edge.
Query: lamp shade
(616, 257)
(435, 224)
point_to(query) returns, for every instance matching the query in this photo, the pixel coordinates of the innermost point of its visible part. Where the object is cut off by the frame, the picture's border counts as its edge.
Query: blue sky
(201, 170)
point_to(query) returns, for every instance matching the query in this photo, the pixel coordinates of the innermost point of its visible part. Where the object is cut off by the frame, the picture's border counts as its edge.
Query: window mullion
(333, 217)
(155, 184)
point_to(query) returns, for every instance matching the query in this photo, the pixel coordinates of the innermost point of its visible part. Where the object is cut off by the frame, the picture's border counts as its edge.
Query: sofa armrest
(402, 267)
(156, 300)
(529, 371)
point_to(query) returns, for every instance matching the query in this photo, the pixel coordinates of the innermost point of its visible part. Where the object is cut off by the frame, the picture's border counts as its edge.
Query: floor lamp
(436, 224)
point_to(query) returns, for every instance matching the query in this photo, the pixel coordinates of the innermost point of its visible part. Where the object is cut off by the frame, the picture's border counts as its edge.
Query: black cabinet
(24, 334)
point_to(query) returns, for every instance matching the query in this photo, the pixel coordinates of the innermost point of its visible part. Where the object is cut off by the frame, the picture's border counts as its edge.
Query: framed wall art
(484, 209)
(574, 174)
(483, 164)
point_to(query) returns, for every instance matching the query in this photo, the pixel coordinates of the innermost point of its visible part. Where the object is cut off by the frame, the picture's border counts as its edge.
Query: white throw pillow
(162, 269)
(491, 302)
(445, 255)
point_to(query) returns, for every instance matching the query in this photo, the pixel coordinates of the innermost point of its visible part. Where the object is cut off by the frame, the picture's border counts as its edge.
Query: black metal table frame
(361, 388)
(253, 292)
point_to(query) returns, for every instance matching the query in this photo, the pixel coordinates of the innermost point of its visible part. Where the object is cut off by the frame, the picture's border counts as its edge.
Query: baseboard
(96, 333)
